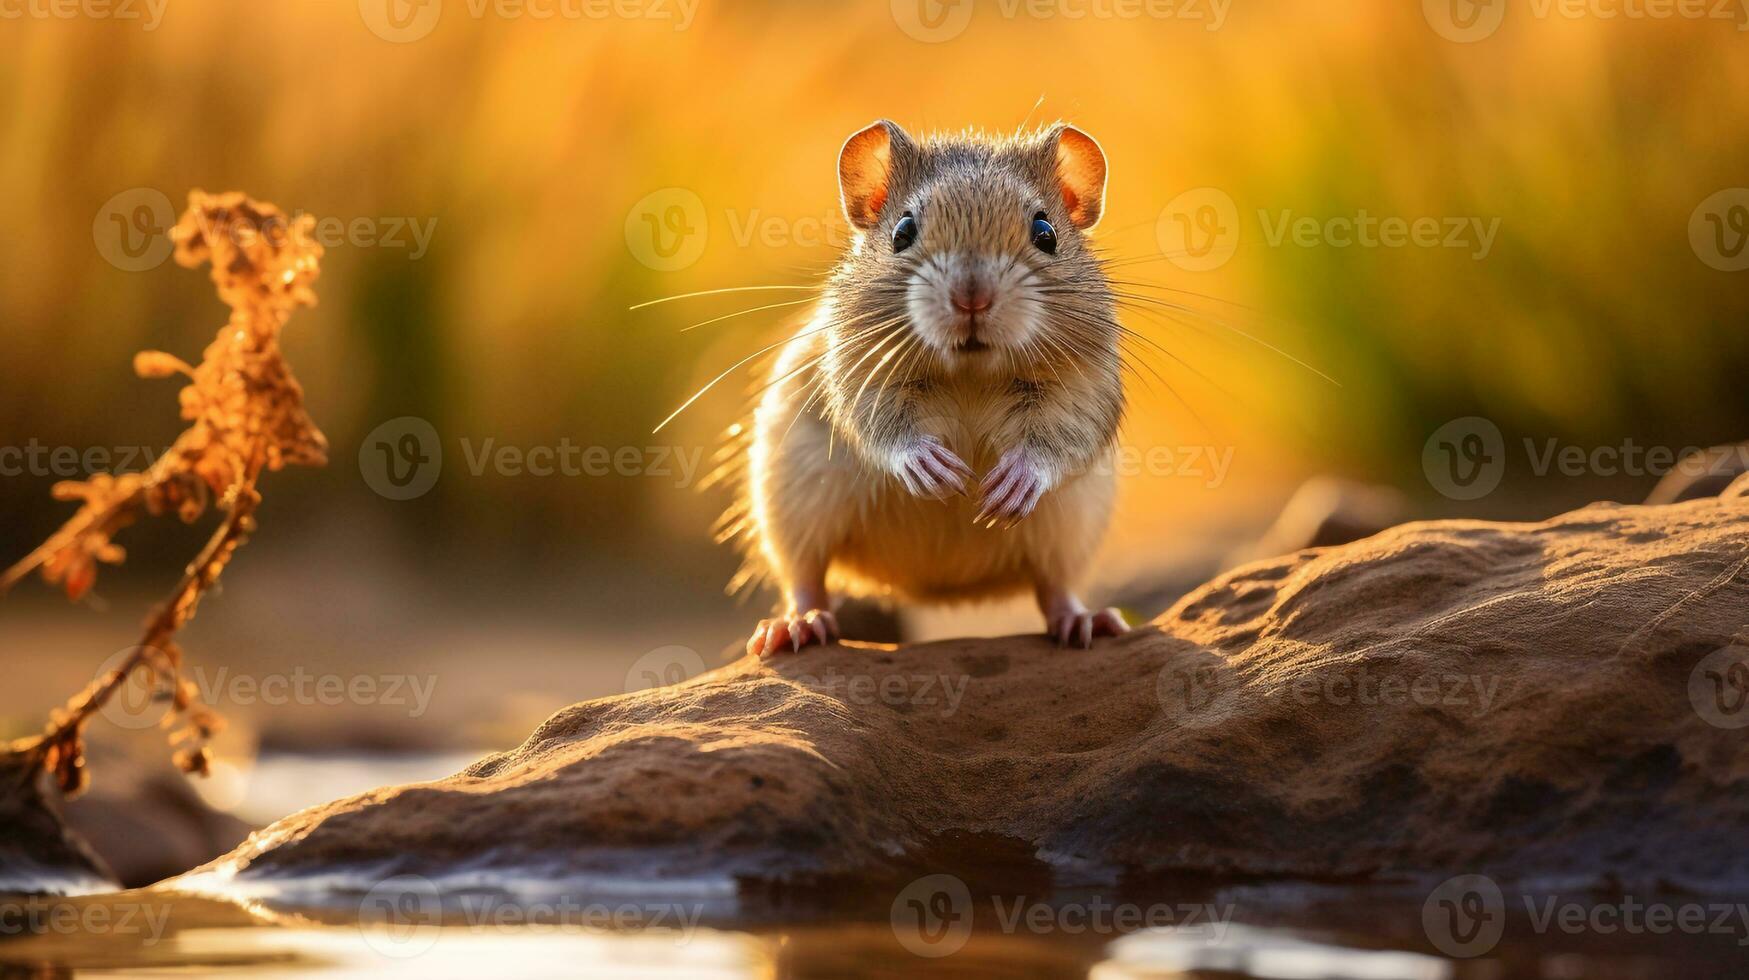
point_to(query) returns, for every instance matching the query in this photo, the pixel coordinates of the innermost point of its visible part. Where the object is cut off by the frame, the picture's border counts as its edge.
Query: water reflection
(1262, 953)
(1302, 936)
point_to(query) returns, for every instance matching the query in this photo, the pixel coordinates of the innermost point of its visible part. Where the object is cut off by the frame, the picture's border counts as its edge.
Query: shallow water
(405, 927)
(1016, 922)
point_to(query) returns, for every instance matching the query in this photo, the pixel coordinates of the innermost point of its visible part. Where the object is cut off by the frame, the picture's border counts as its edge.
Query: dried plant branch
(246, 415)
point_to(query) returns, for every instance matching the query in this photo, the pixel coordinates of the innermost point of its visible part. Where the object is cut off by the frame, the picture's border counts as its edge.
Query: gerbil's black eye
(1044, 237)
(904, 233)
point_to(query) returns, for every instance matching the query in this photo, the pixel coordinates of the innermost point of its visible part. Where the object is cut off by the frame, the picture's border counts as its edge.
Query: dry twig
(246, 415)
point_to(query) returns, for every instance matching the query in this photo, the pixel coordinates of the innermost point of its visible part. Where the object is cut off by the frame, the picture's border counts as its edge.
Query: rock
(38, 855)
(1702, 474)
(1459, 696)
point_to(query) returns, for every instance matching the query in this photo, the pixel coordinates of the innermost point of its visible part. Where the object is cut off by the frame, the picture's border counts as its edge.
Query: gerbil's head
(978, 243)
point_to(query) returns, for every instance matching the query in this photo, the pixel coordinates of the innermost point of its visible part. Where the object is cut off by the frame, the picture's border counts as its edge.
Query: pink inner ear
(863, 173)
(1081, 175)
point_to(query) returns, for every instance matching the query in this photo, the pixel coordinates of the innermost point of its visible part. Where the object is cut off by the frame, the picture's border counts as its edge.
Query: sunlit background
(506, 187)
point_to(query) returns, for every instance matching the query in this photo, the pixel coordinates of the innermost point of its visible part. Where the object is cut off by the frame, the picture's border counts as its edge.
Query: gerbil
(968, 330)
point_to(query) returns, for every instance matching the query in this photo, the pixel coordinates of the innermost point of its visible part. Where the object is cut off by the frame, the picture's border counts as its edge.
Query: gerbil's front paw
(931, 470)
(793, 632)
(1012, 490)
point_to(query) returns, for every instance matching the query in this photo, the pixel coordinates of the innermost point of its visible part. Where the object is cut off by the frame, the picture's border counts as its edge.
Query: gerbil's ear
(1080, 176)
(866, 168)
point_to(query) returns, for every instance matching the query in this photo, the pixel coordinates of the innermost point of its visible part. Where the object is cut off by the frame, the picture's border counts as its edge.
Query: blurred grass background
(531, 143)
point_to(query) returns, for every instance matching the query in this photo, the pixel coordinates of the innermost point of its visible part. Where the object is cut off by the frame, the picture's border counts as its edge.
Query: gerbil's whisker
(1252, 338)
(890, 326)
(716, 292)
(865, 381)
(712, 383)
(756, 309)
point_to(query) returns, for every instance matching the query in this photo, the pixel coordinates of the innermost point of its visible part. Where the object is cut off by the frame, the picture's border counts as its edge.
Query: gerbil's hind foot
(793, 632)
(1072, 624)
(1079, 628)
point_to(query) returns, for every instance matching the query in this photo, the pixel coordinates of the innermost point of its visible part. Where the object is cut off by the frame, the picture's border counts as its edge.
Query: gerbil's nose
(971, 295)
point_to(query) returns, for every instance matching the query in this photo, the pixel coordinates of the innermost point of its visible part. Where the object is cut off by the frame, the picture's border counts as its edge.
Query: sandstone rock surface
(1522, 700)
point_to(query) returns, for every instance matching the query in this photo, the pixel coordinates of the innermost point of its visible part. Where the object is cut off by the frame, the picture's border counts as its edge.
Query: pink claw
(1082, 626)
(1011, 490)
(793, 632)
(931, 470)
